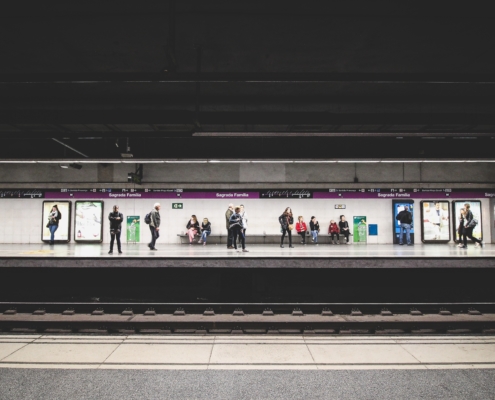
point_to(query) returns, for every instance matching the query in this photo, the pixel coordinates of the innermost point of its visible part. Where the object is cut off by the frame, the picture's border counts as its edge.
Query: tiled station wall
(21, 219)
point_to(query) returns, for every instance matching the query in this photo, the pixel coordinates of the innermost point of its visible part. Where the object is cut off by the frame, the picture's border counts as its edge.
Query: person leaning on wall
(115, 218)
(53, 219)
(154, 225)
(228, 214)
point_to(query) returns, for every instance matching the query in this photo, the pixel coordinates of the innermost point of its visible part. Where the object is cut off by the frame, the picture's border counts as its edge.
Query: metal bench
(262, 239)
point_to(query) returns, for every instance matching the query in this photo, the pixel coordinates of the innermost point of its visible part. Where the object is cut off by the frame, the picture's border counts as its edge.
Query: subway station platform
(201, 367)
(259, 256)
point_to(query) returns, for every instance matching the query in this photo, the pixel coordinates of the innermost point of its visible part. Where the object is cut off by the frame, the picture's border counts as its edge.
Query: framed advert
(435, 221)
(475, 207)
(397, 207)
(61, 231)
(88, 225)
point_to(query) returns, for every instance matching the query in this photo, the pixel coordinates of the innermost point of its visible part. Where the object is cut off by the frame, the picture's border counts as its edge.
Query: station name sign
(143, 193)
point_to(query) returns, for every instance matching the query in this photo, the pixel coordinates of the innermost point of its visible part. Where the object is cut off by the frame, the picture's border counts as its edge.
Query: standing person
(301, 228)
(469, 224)
(53, 218)
(344, 228)
(333, 229)
(314, 226)
(237, 229)
(205, 230)
(460, 228)
(228, 214)
(192, 228)
(115, 218)
(405, 219)
(286, 221)
(154, 225)
(437, 218)
(244, 219)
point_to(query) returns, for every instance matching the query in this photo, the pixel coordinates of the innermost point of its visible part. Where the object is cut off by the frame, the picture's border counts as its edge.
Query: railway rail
(248, 318)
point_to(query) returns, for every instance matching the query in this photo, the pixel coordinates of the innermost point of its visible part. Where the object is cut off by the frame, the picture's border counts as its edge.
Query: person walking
(237, 229)
(228, 214)
(344, 228)
(244, 219)
(192, 228)
(286, 221)
(469, 225)
(301, 228)
(460, 227)
(314, 227)
(115, 218)
(154, 225)
(53, 219)
(333, 229)
(205, 231)
(405, 219)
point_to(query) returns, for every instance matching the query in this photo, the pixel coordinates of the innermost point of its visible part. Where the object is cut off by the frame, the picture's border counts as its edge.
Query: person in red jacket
(333, 229)
(301, 229)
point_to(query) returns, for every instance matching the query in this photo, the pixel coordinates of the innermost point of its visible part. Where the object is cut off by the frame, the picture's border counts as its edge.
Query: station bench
(263, 239)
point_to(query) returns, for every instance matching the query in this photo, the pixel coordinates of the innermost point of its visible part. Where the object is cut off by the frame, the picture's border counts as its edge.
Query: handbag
(291, 227)
(472, 223)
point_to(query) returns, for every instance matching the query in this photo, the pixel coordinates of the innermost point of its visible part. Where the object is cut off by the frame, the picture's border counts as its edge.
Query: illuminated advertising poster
(62, 233)
(397, 207)
(133, 229)
(360, 229)
(88, 222)
(435, 220)
(475, 206)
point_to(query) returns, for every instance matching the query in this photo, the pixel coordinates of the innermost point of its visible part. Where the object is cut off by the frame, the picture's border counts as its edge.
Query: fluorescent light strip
(187, 162)
(272, 162)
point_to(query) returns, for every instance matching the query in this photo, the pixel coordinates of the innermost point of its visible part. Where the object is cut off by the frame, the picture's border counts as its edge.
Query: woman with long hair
(53, 218)
(192, 228)
(205, 231)
(286, 221)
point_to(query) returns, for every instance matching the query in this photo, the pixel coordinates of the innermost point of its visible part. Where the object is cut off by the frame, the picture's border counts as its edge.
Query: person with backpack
(53, 218)
(469, 224)
(153, 219)
(115, 218)
(405, 219)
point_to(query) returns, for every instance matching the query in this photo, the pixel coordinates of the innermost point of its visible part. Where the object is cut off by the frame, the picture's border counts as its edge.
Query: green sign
(177, 206)
(133, 228)
(360, 229)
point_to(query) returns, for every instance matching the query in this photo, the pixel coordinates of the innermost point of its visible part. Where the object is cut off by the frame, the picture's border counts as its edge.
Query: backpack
(147, 218)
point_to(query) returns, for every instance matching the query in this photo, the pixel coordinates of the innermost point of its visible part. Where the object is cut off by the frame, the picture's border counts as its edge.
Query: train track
(247, 318)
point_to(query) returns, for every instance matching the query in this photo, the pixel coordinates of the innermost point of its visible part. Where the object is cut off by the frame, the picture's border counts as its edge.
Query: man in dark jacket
(405, 219)
(228, 214)
(155, 225)
(115, 218)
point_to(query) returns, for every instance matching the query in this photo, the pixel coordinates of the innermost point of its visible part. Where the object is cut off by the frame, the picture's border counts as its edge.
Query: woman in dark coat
(344, 228)
(286, 221)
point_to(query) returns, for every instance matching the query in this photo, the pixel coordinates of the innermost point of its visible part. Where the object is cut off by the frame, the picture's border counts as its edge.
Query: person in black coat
(115, 218)
(53, 219)
(469, 227)
(344, 228)
(286, 221)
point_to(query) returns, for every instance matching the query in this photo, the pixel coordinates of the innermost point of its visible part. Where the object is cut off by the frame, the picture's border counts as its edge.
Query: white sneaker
(477, 244)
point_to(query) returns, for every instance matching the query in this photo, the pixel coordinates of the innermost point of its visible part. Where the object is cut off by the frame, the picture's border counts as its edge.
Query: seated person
(192, 228)
(333, 230)
(301, 228)
(205, 231)
(314, 226)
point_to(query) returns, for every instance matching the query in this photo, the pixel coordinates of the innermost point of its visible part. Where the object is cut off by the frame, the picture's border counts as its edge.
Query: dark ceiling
(289, 78)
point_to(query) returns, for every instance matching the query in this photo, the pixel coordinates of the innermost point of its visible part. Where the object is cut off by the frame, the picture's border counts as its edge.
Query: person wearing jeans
(53, 219)
(314, 226)
(155, 225)
(205, 230)
(236, 228)
(405, 219)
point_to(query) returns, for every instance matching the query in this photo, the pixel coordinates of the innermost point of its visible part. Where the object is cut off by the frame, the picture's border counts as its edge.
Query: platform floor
(259, 256)
(246, 367)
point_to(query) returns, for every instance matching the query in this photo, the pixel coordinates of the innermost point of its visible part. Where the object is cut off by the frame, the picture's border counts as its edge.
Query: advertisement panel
(360, 229)
(397, 207)
(89, 222)
(475, 206)
(133, 229)
(435, 221)
(62, 234)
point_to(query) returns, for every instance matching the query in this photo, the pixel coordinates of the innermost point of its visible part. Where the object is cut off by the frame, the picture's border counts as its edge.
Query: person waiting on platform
(405, 219)
(236, 228)
(192, 228)
(301, 228)
(469, 225)
(205, 230)
(154, 225)
(228, 214)
(244, 219)
(460, 227)
(115, 218)
(314, 227)
(53, 219)
(344, 228)
(333, 229)
(286, 221)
